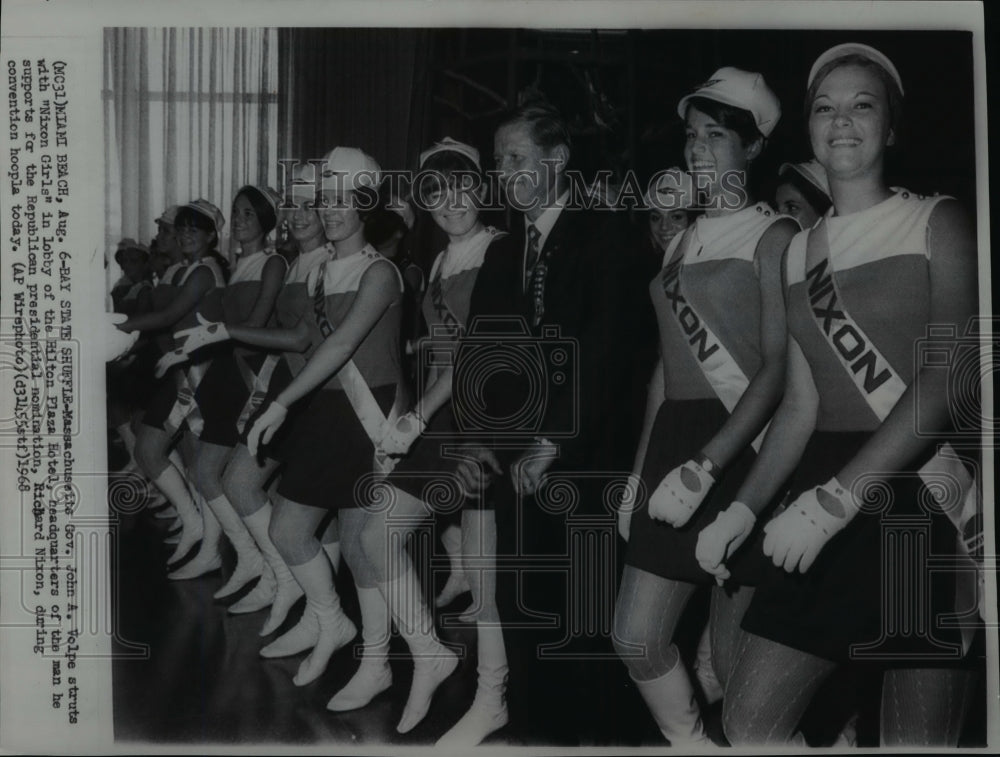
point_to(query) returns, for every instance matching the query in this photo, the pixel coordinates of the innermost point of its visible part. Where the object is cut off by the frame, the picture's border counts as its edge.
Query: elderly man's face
(527, 171)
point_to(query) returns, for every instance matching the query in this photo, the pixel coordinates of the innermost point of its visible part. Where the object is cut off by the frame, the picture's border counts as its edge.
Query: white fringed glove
(169, 360)
(267, 423)
(205, 333)
(722, 537)
(796, 537)
(401, 435)
(680, 493)
(117, 343)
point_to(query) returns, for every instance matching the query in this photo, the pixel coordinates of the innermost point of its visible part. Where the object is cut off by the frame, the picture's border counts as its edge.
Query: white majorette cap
(855, 48)
(273, 198)
(168, 215)
(302, 187)
(451, 145)
(210, 212)
(349, 168)
(811, 171)
(673, 190)
(741, 89)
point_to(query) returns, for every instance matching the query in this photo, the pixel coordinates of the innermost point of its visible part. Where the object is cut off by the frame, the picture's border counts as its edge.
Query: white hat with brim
(451, 145)
(863, 51)
(167, 216)
(811, 171)
(349, 168)
(210, 211)
(741, 89)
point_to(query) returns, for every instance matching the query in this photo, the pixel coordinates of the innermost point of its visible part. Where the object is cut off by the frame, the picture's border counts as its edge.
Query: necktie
(531, 255)
(536, 270)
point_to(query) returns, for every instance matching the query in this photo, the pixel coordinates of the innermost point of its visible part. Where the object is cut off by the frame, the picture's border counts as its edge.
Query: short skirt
(873, 593)
(328, 456)
(680, 431)
(221, 396)
(428, 470)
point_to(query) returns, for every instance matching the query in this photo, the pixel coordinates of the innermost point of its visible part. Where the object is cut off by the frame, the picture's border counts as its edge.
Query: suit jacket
(584, 346)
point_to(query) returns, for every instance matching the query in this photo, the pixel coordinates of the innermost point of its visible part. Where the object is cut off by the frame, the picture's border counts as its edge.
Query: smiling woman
(722, 334)
(862, 287)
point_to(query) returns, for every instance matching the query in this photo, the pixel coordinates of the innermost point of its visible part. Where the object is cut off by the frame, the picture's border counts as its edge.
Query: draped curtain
(188, 113)
(365, 88)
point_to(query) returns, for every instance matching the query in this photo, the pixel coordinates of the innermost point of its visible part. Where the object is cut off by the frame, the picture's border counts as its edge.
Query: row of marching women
(731, 408)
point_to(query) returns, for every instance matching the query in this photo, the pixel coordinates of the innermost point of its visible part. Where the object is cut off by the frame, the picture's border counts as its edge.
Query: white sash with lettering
(881, 387)
(356, 389)
(727, 379)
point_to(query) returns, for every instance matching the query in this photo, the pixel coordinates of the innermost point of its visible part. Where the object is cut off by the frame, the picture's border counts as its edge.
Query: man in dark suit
(557, 440)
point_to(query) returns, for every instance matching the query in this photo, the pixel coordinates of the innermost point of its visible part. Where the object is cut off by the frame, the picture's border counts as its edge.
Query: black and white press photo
(497, 375)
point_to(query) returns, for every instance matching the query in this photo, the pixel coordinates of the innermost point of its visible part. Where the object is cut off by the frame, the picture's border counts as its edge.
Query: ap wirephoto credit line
(515, 376)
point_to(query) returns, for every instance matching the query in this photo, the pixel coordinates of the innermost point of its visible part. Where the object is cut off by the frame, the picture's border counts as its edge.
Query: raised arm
(295, 339)
(197, 286)
(378, 290)
(271, 280)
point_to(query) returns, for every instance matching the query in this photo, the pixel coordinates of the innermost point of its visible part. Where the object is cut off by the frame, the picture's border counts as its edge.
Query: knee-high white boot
(457, 582)
(323, 621)
(373, 675)
(208, 558)
(432, 661)
(671, 701)
(175, 489)
(489, 707)
(332, 550)
(704, 671)
(249, 561)
(277, 587)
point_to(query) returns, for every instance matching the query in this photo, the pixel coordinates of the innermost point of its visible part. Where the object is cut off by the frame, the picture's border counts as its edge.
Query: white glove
(627, 506)
(401, 435)
(117, 342)
(795, 537)
(169, 360)
(722, 537)
(205, 333)
(265, 426)
(680, 493)
(382, 463)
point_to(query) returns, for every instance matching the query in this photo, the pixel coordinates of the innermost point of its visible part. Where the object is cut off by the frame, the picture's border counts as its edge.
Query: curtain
(365, 88)
(188, 113)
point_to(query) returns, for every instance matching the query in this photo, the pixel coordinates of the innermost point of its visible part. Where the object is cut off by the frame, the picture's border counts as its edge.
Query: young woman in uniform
(248, 300)
(288, 343)
(346, 387)
(718, 303)
(199, 289)
(451, 194)
(862, 287)
(803, 192)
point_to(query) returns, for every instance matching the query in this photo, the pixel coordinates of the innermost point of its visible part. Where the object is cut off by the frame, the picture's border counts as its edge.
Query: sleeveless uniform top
(719, 277)
(240, 294)
(377, 357)
(453, 276)
(161, 296)
(125, 292)
(210, 305)
(294, 303)
(879, 260)
(165, 291)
